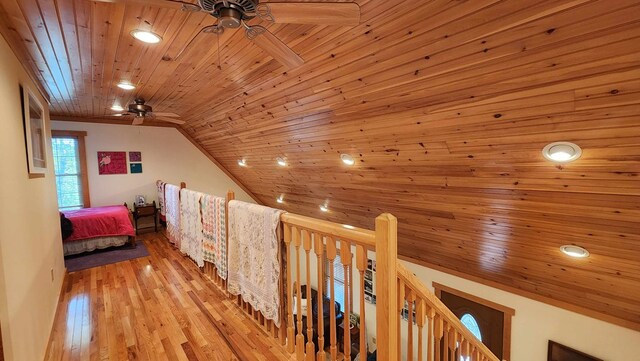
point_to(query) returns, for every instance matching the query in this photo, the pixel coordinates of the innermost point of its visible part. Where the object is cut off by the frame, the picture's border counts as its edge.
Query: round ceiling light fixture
(117, 108)
(281, 162)
(126, 85)
(347, 159)
(562, 152)
(280, 199)
(348, 226)
(242, 162)
(146, 36)
(574, 251)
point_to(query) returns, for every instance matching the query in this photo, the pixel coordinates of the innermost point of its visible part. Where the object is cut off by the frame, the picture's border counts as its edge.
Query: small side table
(147, 210)
(355, 339)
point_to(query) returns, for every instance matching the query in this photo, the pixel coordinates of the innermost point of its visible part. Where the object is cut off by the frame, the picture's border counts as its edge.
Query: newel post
(386, 286)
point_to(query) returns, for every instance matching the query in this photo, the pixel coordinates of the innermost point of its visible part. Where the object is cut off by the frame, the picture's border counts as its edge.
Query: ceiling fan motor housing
(139, 107)
(230, 13)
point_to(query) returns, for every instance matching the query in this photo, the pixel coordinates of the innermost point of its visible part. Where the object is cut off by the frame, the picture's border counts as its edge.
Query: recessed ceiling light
(126, 85)
(281, 162)
(146, 36)
(324, 208)
(117, 108)
(242, 163)
(280, 199)
(348, 226)
(347, 159)
(562, 152)
(574, 251)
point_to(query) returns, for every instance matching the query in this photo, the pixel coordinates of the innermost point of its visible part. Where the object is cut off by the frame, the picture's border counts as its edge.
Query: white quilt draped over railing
(254, 257)
(172, 204)
(214, 233)
(191, 225)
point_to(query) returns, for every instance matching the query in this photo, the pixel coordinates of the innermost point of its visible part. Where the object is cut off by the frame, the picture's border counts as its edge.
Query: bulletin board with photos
(369, 282)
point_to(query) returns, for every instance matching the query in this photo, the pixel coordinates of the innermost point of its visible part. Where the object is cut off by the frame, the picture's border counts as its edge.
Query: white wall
(534, 324)
(30, 241)
(166, 155)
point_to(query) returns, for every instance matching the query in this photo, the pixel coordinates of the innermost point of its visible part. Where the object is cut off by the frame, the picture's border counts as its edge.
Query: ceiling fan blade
(137, 120)
(172, 4)
(117, 115)
(170, 120)
(161, 114)
(325, 13)
(274, 46)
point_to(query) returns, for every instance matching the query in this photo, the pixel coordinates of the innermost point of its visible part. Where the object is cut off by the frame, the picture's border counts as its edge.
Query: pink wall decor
(112, 162)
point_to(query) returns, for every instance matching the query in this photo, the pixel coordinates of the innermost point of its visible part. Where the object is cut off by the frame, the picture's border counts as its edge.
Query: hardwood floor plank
(159, 307)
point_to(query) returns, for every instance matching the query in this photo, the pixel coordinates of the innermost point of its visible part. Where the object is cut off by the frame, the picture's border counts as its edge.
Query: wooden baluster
(290, 327)
(331, 256)
(430, 334)
(318, 240)
(437, 337)
(467, 351)
(420, 316)
(445, 344)
(386, 284)
(410, 299)
(299, 337)
(453, 344)
(361, 265)
(401, 289)
(306, 243)
(346, 258)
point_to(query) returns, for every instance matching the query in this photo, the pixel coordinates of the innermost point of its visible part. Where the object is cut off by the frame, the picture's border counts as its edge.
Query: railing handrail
(361, 236)
(413, 282)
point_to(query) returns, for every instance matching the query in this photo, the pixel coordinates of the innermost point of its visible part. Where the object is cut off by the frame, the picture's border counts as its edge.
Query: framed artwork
(112, 163)
(558, 352)
(33, 117)
(135, 168)
(135, 157)
(369, 282)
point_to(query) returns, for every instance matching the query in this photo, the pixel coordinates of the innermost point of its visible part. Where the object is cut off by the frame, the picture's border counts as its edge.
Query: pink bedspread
(99, 222)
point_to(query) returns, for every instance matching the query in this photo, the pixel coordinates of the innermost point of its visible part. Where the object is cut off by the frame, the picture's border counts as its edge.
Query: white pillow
(303, 306)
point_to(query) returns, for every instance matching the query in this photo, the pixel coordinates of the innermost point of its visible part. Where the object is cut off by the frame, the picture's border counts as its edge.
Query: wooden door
(490, 322)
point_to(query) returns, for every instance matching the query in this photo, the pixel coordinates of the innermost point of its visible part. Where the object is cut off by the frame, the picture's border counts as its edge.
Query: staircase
(431, 331)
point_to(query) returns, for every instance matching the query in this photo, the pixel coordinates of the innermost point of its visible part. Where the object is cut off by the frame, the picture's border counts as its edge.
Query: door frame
(507, 312)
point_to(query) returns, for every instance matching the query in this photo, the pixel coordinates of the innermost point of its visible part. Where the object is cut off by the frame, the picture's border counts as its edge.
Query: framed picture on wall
(33, 118)
(558, 352)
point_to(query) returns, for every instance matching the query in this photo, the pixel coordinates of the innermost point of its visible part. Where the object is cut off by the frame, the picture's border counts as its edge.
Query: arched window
(471, 323)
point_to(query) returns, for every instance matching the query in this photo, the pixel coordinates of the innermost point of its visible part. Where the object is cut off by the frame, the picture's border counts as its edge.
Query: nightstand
(147, 210)
(355, 339)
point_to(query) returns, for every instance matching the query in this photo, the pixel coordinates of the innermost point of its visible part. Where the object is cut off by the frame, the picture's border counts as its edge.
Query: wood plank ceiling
(445, 105)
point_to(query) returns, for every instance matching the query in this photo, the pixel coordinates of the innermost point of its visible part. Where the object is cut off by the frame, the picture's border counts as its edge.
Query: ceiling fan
(141, 111)
(233, 14)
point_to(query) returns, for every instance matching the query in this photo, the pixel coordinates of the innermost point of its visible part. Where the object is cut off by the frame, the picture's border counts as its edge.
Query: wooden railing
(446, 338)
(307, 243)
(316, 240)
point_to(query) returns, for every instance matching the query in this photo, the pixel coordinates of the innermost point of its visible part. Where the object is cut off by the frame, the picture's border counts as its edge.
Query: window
(339, 279)
(470, 323)
(69, 161)
(488, 321)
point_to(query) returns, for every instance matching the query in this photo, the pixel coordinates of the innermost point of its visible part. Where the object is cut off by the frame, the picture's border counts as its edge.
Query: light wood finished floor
(153, 308)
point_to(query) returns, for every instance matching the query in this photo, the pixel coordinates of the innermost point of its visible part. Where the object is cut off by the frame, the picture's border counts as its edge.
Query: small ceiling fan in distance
(140, 111)
(233, 14)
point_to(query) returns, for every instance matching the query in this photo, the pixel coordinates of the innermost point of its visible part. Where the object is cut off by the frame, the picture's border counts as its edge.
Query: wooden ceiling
(445, 105)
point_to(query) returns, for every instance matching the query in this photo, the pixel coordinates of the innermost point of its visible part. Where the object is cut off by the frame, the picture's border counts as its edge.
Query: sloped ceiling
(445, 106)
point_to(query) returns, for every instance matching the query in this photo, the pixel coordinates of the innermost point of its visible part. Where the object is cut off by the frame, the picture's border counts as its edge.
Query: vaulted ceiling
(445, 106)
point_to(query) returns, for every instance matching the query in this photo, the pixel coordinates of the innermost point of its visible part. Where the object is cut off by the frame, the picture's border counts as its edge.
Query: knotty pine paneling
(445, 105)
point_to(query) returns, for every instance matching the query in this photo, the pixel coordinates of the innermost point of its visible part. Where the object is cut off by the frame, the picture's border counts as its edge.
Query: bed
(98, 228)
